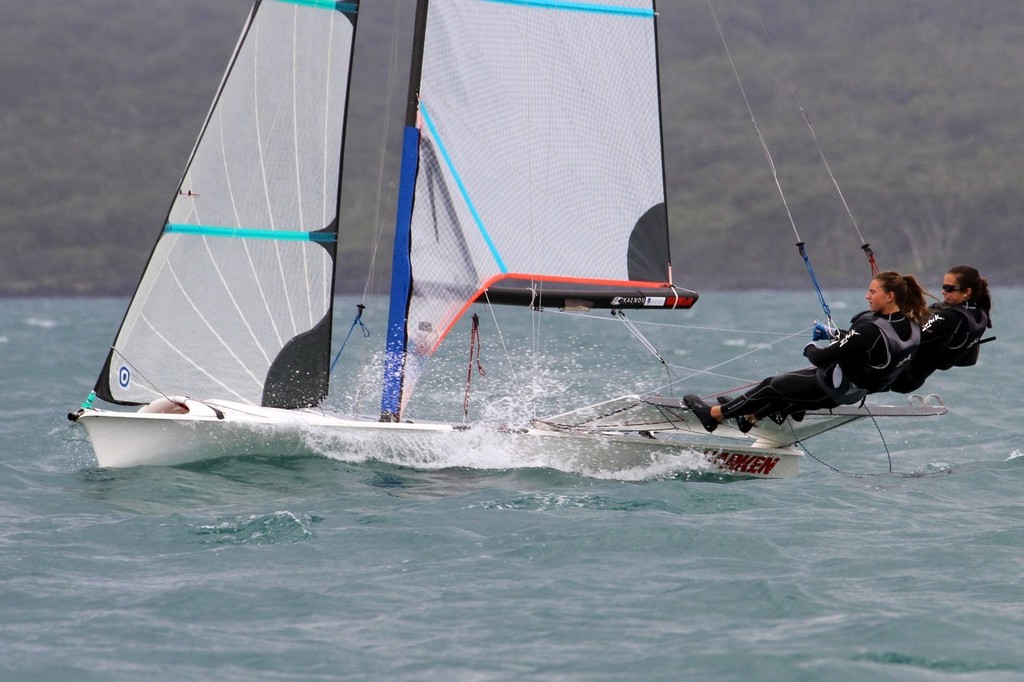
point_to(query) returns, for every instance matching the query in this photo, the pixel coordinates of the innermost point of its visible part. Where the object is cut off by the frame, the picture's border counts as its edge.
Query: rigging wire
(710, 370)
(693, 372)
(639, 335)
(753, 120)
(358, 320)
(863, 244)
(771, 164)
(687, 327)
(143, 377)
(645, 342)
(508, 358)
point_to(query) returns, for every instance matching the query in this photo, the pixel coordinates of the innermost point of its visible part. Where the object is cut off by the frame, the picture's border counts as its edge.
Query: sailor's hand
(819, 332)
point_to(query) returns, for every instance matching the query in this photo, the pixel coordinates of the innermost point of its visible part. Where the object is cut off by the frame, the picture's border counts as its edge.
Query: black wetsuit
(948, 339)
(867, 357)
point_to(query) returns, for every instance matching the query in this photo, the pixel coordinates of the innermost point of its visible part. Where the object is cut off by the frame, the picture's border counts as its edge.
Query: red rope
(474, 351)
(871, 259)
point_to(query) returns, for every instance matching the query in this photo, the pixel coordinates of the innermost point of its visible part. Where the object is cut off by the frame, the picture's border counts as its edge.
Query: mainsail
(540, 156)
(236, 300)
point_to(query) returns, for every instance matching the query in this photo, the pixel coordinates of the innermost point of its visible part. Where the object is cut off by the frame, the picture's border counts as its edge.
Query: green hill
(915, 105)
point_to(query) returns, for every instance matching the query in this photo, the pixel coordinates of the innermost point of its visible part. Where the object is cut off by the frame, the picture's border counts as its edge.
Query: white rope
(639, 336)
(691, 372)
(508, 358)
(757, 129)
(709, 371)
(687, 327)
(828, 168)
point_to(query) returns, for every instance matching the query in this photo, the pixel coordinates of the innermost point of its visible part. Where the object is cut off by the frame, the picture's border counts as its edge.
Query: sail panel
(238, 291)
(540, 152)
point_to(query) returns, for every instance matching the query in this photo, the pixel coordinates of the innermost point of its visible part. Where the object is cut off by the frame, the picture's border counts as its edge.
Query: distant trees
(916, 105)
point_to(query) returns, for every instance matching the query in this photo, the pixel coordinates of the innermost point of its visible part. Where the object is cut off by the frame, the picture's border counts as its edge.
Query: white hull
(216, 429)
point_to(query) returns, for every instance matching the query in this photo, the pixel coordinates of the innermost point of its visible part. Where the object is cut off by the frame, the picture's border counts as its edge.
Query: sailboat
(532, 175)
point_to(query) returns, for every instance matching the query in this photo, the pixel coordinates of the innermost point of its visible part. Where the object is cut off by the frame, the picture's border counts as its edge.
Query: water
(343, 567)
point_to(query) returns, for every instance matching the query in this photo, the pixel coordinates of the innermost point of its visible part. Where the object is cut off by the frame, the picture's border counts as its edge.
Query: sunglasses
(950, 287)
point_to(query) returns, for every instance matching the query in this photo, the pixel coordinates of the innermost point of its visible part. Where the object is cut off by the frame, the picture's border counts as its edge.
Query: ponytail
(909, 294)
(968, 277)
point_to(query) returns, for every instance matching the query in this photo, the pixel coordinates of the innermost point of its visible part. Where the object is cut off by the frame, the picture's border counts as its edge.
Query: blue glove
(819, 332)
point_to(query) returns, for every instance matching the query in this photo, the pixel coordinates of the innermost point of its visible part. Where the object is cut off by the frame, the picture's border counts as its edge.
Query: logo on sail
(124, 377)
(638, 301)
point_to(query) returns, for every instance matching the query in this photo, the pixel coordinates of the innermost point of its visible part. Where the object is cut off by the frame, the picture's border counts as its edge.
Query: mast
(661, 134)
(401, 269)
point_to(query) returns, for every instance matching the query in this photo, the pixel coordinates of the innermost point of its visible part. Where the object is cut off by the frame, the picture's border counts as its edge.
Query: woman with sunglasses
(951, 335)
(865, 359)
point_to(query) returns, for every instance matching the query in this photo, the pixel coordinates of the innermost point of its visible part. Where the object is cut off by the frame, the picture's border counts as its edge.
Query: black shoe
(743, 422)
(701, 410)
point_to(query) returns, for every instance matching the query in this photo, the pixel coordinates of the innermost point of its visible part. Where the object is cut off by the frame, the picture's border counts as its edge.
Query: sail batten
(346, 7)
(463, 190)
(580, 7)
(250, 233)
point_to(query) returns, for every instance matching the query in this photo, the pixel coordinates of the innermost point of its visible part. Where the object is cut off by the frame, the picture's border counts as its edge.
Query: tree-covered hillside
(916, 105)
(913, 104)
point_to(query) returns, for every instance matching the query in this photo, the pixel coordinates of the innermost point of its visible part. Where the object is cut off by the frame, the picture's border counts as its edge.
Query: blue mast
(401, 268)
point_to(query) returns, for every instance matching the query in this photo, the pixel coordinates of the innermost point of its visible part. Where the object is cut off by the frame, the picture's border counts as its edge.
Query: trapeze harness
(852, 386)
(964, 353)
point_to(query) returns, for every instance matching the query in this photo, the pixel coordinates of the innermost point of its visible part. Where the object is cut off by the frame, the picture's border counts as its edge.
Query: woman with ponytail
(865, 359)
(951, 336)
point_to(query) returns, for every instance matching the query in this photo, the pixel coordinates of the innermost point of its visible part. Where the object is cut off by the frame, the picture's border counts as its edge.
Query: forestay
(236, 300)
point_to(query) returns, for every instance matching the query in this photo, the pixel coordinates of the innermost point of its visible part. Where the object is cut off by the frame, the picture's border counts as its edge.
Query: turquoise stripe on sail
(347, 7)
(462, 189)
(580, 7)
(246, 233)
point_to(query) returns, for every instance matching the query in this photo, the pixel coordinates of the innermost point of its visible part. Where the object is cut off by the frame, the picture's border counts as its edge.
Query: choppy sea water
(896, 554)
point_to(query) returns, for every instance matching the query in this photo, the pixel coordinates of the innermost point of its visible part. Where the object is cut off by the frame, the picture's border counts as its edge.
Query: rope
(709, 370)
(508, 356)
(819, 460)
(474, 350)
(143, 377)
(771, 164)
(357, 321)
(691, 371)
(688, 327)
(817, 287)
(753, 120)
(863, 244)
(639, 336)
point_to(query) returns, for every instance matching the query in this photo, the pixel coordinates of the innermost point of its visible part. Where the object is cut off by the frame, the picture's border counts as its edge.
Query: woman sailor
(865, 359)
(951, 335)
